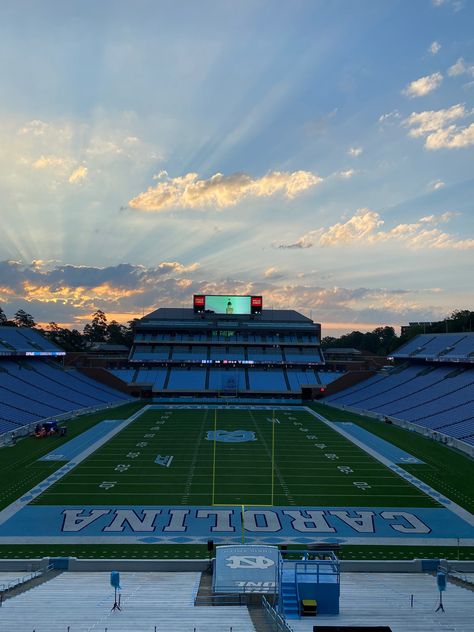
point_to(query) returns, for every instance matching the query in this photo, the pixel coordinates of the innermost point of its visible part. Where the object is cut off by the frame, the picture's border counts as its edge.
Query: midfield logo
(231, 436)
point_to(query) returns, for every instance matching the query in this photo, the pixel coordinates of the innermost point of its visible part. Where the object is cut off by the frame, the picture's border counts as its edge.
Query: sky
(317, 152)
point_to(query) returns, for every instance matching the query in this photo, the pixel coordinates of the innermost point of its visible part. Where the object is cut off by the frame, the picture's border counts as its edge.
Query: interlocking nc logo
(249, 561)
(231, 436)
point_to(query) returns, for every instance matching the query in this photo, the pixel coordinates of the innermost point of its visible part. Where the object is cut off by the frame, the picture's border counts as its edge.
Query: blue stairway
(289, 600)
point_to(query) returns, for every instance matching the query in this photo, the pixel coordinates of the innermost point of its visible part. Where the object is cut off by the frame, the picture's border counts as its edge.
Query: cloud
(220, 191)
(78, 174)
(80, 290)
(272, 273)
(44, 162)
(367, 227)
(461, 68)
(69, 294)
(439, 184)
(434, 48)
(423, 86)
(348, 173)
(440, 129)
(389, 117)
(456, 5)
(354, 151)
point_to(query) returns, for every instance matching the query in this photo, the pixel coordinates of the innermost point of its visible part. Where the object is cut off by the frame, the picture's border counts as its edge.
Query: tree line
(380, 341)
(98, 330)
(383, 340)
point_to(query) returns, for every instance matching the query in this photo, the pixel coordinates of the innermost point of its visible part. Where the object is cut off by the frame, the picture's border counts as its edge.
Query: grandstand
(33, 387)
(184, 351)
(432, 387)
(161, 479)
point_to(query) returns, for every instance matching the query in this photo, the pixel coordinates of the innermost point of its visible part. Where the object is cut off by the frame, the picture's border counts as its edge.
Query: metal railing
(247, 595)
(279, 623)
(6, 587)
(9, 437)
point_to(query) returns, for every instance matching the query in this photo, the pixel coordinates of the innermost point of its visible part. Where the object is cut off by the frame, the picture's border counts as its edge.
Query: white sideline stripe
(413, 480)
(18, 504)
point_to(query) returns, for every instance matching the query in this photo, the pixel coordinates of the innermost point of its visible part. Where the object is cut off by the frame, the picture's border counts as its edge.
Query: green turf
(20, 469)
(199, 551)
(307, 470)
(306, 473)
(447, 470)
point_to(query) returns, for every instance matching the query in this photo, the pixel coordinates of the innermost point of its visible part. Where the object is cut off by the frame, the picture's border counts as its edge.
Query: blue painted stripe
(386, 449)
(294, 523)
(72, 448)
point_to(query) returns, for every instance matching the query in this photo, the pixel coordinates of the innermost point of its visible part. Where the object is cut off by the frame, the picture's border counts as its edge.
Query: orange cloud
(220, 191)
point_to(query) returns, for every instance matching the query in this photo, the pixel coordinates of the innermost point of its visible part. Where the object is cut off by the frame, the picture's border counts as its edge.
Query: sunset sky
(318, 152)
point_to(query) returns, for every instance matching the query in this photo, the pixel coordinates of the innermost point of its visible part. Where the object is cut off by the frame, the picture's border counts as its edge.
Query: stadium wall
(104, 377)
(74, 564)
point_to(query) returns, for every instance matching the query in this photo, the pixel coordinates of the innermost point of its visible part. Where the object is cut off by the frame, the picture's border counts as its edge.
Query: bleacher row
(32, 390)
(439, 347)
(23, 340)
(241, 379)
(197, 353)
(233, 337)
(437, 397)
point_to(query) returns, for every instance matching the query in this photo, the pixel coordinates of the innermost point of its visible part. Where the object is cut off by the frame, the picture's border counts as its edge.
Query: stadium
(225, 462)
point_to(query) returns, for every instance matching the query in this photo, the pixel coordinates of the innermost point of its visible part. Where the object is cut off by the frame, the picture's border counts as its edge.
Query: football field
(183, 475)
(258, 458)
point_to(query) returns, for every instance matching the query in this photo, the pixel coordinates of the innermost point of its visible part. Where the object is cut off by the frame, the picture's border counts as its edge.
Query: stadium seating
(83, 600)
(227, 353)
(24, 340)
(181, 379)
(231, 380)
(434, 396)
(156, 377)
(33, 390)
(298, 378)
(443, 347)
(126, 375)
(272, 380)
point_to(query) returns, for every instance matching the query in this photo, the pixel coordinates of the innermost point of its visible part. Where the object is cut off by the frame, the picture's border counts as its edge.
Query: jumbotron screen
(227, 304)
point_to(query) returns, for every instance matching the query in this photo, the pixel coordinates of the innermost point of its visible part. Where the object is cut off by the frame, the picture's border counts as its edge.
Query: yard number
(121, 467)
(345, 469)
(107, 484)
(361, 485)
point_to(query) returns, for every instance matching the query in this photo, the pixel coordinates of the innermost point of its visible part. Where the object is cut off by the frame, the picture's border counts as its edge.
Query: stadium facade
(183, 351)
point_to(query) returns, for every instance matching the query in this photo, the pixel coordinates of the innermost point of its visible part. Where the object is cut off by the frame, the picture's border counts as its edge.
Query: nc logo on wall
(231, 436)
(249, 561)
(239, 565)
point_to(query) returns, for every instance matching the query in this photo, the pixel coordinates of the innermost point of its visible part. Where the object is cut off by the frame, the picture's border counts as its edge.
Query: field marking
(416, 482)
(45, 484)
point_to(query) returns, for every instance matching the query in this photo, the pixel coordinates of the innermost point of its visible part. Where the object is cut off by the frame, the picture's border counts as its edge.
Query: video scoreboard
(227, 304)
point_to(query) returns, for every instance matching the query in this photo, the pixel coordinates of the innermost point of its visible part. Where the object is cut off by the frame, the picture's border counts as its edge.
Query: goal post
(272, 468)
(228, 385)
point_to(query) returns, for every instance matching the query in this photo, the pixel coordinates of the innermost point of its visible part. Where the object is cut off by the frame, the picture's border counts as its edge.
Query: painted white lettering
(178, 517)
(362, 523)
(131, 517)
(222, 522)
(272, 522)
(309, 521)
(73, 520)
(416, 525)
